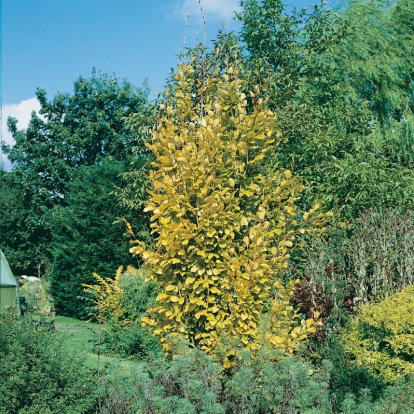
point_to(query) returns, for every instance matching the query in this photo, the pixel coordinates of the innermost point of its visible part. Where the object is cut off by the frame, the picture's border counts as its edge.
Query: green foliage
(382, 253)
(130, 340)
(85, 238)
(36, 376)
(37, 297)
(367, 261)
(193, 383)
(122, 299)
(138, 294)
(345, 378)
(74, 130)
(343, 89)
(261, 385)
(24, 236)
(382, 336)
(120, 303)
(397, 399)
(133, 191)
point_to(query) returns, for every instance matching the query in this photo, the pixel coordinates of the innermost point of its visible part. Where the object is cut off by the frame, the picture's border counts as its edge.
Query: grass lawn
(81, 337)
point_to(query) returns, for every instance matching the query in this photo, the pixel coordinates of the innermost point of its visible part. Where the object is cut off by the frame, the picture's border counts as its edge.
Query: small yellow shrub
(382, 336)
(107, 294)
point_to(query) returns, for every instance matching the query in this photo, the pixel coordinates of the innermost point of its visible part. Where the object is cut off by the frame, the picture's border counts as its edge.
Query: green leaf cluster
(73, 132)
(37, 376)
(342, 85)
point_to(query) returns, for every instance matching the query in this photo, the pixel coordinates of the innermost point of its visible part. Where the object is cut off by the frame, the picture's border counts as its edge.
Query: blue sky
(50, 43)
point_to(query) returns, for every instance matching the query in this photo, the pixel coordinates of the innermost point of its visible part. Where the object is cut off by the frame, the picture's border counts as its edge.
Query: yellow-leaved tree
(224, 219)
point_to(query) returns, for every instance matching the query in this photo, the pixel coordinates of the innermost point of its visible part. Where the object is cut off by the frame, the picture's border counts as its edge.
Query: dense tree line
(56, 204)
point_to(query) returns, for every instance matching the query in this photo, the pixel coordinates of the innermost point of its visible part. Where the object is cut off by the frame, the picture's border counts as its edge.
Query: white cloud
(215, 9)
(22, 112)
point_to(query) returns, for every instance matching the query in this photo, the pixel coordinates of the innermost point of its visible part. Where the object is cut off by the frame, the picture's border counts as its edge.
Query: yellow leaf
(277, 340)
(161, 297)
(148, 321)
(211, 232)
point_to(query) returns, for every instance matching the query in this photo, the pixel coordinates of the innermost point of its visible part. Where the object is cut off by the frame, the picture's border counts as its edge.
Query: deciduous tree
(223, 220)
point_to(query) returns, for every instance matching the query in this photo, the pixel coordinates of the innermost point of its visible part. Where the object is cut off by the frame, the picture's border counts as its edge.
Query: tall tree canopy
(72, 130)
(85, 237)
(76, 129)
(342, 85)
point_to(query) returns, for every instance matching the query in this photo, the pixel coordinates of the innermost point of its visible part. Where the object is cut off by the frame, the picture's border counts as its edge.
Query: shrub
(382, 336)
(138, 293)
(382, 253)
(85, 238)
(366, 262)
(124, 298)
(263, 383)
(397, 399)
(346, 378)
(37, 376)
(121, 302)
(130, 340)
(37, 296)
(192, 382)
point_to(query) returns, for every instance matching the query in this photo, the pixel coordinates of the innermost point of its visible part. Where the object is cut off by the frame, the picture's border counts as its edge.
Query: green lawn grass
(82, 338)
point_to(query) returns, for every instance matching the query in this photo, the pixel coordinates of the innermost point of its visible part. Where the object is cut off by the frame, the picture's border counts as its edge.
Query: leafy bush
(225, 217)
(121, 299)
(37, 376)
(121, 302)
(382, 336)
(397, 399)
(130, 340)
(85, 238)
(192, 382)
(37, 297)
(138, 293)
(365, 262)
(345, 378)
(382, 253)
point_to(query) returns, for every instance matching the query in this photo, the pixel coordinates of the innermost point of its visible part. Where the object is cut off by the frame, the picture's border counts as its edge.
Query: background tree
(85, 238)
(24, 236)
(342, 86)
(72, 130)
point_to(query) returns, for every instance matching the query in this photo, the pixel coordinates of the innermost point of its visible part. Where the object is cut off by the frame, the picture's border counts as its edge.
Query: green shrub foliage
(120, 302)
(37, 376)
(370, 259)
(75, 130)
(193, 383)
(342, 85)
